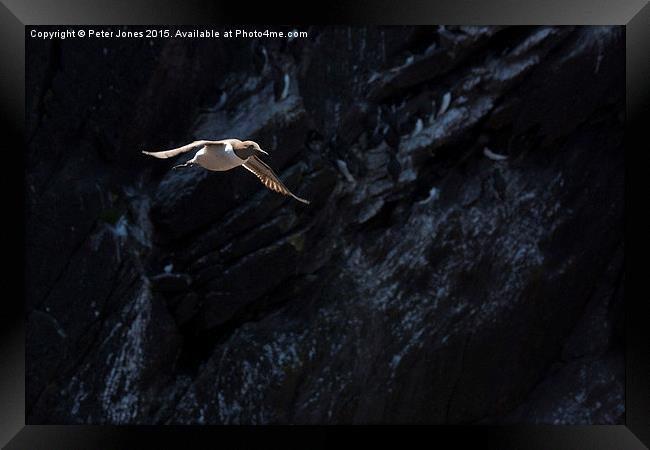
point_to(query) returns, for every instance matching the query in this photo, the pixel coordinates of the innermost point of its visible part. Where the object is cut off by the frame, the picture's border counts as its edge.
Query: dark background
(432, 285)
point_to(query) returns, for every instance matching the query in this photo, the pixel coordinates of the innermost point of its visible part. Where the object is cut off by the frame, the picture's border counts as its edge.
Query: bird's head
(253, 147)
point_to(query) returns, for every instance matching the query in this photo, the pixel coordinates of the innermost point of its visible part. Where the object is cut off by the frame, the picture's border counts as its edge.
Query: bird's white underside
(218, 159)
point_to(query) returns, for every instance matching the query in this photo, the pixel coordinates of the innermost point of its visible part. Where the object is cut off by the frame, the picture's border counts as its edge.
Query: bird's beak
(264, 152)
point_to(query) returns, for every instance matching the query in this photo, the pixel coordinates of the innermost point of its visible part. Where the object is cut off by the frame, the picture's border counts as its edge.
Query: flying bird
(228, 154)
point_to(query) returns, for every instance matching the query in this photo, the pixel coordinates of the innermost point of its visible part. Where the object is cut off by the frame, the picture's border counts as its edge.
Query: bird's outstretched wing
(268, 177)
(175, 151)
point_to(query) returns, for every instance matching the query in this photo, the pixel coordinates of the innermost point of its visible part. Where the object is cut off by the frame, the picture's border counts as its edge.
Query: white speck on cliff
(287, 83)
(493, 156)
(343, 168)
(446, 101)
(418, 127)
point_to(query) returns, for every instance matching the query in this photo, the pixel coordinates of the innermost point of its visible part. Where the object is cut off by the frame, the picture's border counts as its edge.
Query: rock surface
(426, 282)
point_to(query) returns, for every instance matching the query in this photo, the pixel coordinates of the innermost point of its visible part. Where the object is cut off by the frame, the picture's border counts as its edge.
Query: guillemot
(227, 154)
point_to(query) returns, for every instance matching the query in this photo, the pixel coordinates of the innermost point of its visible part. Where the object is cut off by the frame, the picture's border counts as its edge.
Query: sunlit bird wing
(268, 177)
(176, 151)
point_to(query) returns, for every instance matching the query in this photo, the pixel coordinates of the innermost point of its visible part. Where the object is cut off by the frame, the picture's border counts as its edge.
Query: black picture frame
(15, 15)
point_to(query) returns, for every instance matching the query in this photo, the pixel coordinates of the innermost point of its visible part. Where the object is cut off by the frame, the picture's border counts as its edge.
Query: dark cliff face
(429, 281)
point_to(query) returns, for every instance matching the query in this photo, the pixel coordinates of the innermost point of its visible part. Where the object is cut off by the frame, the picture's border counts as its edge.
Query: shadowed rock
(425, 283)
